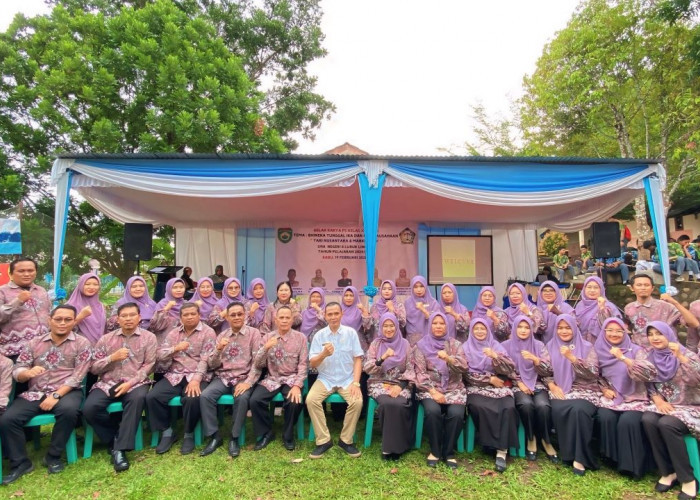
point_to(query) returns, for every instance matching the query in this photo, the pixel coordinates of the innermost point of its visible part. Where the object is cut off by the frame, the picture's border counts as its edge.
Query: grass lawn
(272, 473)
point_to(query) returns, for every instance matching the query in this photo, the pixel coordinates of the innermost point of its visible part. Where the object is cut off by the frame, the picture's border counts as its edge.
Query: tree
(614, 82)
(141, 80)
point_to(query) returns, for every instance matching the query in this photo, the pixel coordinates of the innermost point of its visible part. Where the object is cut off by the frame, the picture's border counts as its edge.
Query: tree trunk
(644, 232)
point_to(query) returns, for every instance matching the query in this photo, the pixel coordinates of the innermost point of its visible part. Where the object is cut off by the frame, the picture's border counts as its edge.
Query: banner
(4, 273)
(332, 256)
(10, 237)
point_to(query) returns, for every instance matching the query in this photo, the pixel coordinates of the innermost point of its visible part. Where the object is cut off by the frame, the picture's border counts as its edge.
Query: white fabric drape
(514, 256)
(203, 248)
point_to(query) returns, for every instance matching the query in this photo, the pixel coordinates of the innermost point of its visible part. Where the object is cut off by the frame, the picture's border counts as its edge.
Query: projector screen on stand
(460, 260)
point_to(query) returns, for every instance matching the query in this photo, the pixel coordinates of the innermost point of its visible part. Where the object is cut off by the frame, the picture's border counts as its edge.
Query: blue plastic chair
(175, 402)
(333, 398)
(519, 452)
(115, 407)
(691, 444)
(419, 430)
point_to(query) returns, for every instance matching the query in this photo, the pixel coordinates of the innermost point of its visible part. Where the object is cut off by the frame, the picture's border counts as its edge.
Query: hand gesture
(566, 352)
(524, 388)
(617, 352)
(550, 306)
(181, 346)
(317, 307)
(529, 356)
(667, 298)
(496, 381)
(388, 353)
(120, 354)
(390, 305)
(601, 303)
(122, 389)
(394, 391)
(294, 395)
(449, 310)
(490, 314)
(442, 354)
(24, 296)
(663, 406)
(222, 313)
(222, 344)
(675, 348)
(193, 389)
(240, 388)
(85, 312)
(48, 403)
(198, 302)
(490, 353)
(439, 397)
(169, 305)
(328, 349)
(271, 342)
(556, 391)
(35, 371)
(609, 394)
(254, 307)
(524, 309)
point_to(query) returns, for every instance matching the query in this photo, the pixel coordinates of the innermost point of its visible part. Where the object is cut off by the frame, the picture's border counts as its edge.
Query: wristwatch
(356, 384)
(56, 395)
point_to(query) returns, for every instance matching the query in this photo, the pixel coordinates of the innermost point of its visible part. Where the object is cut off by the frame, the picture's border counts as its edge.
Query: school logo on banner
(284, 234)
(407, 236)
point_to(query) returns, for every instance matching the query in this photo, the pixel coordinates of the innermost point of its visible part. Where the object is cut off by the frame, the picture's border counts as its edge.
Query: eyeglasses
(62, 320)
(236, 315)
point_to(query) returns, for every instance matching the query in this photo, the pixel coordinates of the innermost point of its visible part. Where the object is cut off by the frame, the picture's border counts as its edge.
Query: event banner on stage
(333, 256)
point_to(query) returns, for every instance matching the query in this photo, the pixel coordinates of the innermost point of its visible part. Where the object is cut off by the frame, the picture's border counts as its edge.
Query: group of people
(545, 365)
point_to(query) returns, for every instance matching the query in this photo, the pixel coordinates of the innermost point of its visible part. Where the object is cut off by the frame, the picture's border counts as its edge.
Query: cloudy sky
(403, 73)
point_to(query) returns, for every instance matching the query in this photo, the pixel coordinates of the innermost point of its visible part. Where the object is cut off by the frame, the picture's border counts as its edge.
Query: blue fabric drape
(61, 226)
(371, 197)
(517, 177)
(221, 169)
(652, 186)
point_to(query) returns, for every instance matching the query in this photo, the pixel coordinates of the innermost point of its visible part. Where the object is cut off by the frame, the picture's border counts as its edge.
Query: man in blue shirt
(337, 355)
(613, 265)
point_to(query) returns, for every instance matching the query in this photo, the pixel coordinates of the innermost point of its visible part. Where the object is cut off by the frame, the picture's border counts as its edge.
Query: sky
(404, 73)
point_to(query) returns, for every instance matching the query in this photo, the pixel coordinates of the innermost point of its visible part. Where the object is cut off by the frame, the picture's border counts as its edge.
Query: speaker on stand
(138, 243)
(606, 240)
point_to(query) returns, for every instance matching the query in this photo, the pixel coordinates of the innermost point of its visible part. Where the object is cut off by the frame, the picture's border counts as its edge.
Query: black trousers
(536, 414)
(121, 435)
(622, 440)
(21, 411)
(665, 434)
(573, 420)
(443, 423)
(495, 421)
(208, 408)
(159, 411)
(260, 408)
(395, 417)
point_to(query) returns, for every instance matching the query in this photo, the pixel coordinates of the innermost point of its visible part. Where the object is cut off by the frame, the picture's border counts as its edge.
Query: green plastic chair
(48, 419)
(691, 444)
(369, 423)
(174, 403)
(471, 433)
(115, 407)
(333, 398)
(227, 400)
(420, 417)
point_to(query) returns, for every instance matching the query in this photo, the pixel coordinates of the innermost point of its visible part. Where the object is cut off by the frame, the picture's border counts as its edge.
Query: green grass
(270, 473)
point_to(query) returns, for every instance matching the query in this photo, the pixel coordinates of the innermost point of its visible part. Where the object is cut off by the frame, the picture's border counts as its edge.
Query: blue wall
(255, 249)
(467, 294)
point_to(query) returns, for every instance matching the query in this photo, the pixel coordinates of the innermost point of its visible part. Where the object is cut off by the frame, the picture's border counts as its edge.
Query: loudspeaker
(606, 240)
(138, 241)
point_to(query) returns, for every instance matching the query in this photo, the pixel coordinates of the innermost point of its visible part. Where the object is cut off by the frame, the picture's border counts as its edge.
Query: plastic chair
(175, 402)
(47, 419)
(115, 407)
(369, 424)
(691, 444)
(227, 400)
(333, 398)
(419, 430)
(519, 452)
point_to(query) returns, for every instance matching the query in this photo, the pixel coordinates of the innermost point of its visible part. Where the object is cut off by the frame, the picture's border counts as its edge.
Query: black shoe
(119, 460)
(18, 472)
(531, 455)
(386, 457)
(431, 462)
(579, 472)
(321, 449)
(211, 446)
(187, 446)
(663, 488)
(290, 445)
(266, 439)
(501, 464)
(233, 448)
(54, 465)
(452, 463)
(684, 496)
(165, 444)
(554, 459)
(350, 449)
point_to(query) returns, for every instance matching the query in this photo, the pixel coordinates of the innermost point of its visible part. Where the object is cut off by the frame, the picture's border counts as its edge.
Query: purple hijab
(562, 367)
(429, 345)
(515, 345)
(665, 362)
(263, 302)
(225, 299)
(352, 316)
(208, 303)
(399, 344)
(587, 309)
(480, 309)
(514, 311)
(415, 319)
(456, 307)
(147, 306)
(380, 303)
(549, 317)
(92, 327)
(474, 349)
(174, 312)
(611, 368)
(309, 318)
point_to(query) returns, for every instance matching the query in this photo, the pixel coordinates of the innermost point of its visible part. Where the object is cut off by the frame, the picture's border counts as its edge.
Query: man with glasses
(232, 363)
(24, 308)
(124, 360)
(55, 365)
